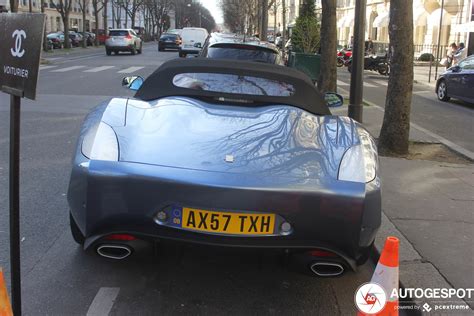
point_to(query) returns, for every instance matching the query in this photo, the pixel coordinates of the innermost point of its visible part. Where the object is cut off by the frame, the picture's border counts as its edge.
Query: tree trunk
(96, 17)
(67, 41)
(104, 13)
(13, 6)
(84, 37)
(45, 39)
(283, 27)
(328, 71)
(396, 121)
(263, 35)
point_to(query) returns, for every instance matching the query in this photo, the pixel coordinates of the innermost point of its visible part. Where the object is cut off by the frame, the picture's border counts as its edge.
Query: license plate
(225, 222)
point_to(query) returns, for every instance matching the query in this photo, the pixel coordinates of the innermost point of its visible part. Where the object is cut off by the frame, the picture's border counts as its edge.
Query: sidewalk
(430, 206)
(421, 74)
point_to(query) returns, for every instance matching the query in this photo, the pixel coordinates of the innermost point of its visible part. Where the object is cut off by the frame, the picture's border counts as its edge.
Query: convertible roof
(160, 83)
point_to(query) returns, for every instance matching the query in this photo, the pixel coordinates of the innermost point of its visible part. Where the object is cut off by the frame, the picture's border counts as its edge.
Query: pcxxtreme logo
(370, 298)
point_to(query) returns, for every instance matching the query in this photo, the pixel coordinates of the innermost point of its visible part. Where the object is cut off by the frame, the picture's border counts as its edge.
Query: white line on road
(46, 67)
(103, 301)
(67, 69)
(380, 82)
(341, 83)
(129, 70)
(97, 69)
(366, 84)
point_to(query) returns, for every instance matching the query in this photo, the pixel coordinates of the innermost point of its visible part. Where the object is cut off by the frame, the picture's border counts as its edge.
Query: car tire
(160, 49)
(108, 52)
(75, 231)
(181, 54)
(134, 50)
(442, 91)
(116, 52)
(141, 47)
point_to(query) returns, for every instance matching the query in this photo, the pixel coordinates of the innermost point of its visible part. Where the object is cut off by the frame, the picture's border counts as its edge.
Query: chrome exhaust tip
(327, 269)
(111, 251)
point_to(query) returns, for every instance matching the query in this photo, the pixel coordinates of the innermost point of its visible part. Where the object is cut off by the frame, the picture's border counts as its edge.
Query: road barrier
(385, 276)
(5, 307)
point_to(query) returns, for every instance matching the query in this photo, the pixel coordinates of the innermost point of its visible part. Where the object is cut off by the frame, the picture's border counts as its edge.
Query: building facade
(53, 18)
(426, 22)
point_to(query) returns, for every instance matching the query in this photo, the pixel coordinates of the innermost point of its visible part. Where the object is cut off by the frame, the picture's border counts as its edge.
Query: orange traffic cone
(386, 276)
(5, 307)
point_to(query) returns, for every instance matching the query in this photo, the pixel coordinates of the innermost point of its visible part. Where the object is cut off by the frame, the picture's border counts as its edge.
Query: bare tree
(83, 5)
(328, 71)
(131, 8)
(64, 9)
(97, 6)
(14, 5)
(396, 122)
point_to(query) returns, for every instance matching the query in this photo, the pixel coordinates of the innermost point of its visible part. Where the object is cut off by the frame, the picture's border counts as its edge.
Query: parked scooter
(342, 56)
(374, 63)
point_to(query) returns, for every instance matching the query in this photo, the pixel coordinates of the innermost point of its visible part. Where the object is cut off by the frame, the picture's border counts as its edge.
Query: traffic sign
(21, 38)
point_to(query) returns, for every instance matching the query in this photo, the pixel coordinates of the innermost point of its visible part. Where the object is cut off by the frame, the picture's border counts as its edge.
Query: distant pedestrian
(460, 54)
(450, 55)
(369, 47)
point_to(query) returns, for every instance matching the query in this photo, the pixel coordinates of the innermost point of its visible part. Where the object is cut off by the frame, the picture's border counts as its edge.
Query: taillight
(123, 237)
(128, 36)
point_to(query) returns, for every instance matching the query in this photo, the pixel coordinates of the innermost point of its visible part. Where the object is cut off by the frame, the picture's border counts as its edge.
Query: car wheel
(108, 52)
(442, 91)
(141, 47)
(134, 50)
(181, 54)
(75, 231)
(116, 52)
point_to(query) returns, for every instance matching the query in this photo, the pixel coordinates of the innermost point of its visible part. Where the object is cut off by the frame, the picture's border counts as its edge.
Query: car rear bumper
(168, 45)
(118, 197)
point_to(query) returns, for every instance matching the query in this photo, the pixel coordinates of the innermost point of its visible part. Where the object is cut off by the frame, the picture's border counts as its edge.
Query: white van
(192, 40)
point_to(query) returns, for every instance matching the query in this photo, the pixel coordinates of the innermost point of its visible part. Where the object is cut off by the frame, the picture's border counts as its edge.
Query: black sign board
(21, 39)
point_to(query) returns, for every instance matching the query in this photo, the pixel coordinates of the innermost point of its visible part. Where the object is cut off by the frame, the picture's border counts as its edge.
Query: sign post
(21, 38)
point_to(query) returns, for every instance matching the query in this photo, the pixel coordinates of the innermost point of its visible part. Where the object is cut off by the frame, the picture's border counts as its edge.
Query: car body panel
(173, 153)
(460, 80)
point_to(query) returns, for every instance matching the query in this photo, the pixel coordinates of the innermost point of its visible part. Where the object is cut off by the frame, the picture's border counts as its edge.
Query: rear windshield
(235, 84)
(242, 52)
(168, 36)
(118, 33)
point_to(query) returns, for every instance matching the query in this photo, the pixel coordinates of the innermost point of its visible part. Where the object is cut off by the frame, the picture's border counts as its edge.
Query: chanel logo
(18, 51)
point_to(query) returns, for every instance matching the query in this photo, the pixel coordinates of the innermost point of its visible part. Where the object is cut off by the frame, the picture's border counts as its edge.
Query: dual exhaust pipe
(114, 251)
(318, 268)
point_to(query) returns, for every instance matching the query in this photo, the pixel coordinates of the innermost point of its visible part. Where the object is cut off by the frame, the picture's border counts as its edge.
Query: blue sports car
(227, 153)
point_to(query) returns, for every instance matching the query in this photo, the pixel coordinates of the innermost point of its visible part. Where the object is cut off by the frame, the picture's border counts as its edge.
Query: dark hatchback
(169, 41)
(457, 82)
(241, 48)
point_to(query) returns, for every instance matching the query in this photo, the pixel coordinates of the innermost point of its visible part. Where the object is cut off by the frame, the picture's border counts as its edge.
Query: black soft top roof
(160, 83)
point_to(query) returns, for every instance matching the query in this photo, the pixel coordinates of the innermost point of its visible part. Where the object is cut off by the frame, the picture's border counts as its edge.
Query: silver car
(120, 40)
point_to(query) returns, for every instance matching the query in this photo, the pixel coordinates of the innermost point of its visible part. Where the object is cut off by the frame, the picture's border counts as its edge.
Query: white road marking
(366, 84)
(97, 69)
(46, 67)
(68, 69)
(341, 83)
(103, 301)
(129, 70)
(380, 82)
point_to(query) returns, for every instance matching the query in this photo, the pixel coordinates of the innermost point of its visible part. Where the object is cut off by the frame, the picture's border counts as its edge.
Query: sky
(213, 7)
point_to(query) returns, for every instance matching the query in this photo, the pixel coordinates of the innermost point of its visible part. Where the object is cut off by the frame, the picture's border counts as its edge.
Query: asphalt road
(452, 120)
(60, 279)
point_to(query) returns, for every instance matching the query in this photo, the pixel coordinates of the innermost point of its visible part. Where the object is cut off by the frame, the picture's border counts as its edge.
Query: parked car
(102, 36)
(75, 39)
(57, 39)
(233, 46)
(123, 40)
(89, 38)
(169, 41)
(192, 40)
(237, 154)
(457, 82)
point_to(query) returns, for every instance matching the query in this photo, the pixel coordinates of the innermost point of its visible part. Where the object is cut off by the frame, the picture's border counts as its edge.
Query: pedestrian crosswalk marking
(97, 69)
(67, 69)
(129, 70)
(341, 83)
(46, 67)
(366, 84)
